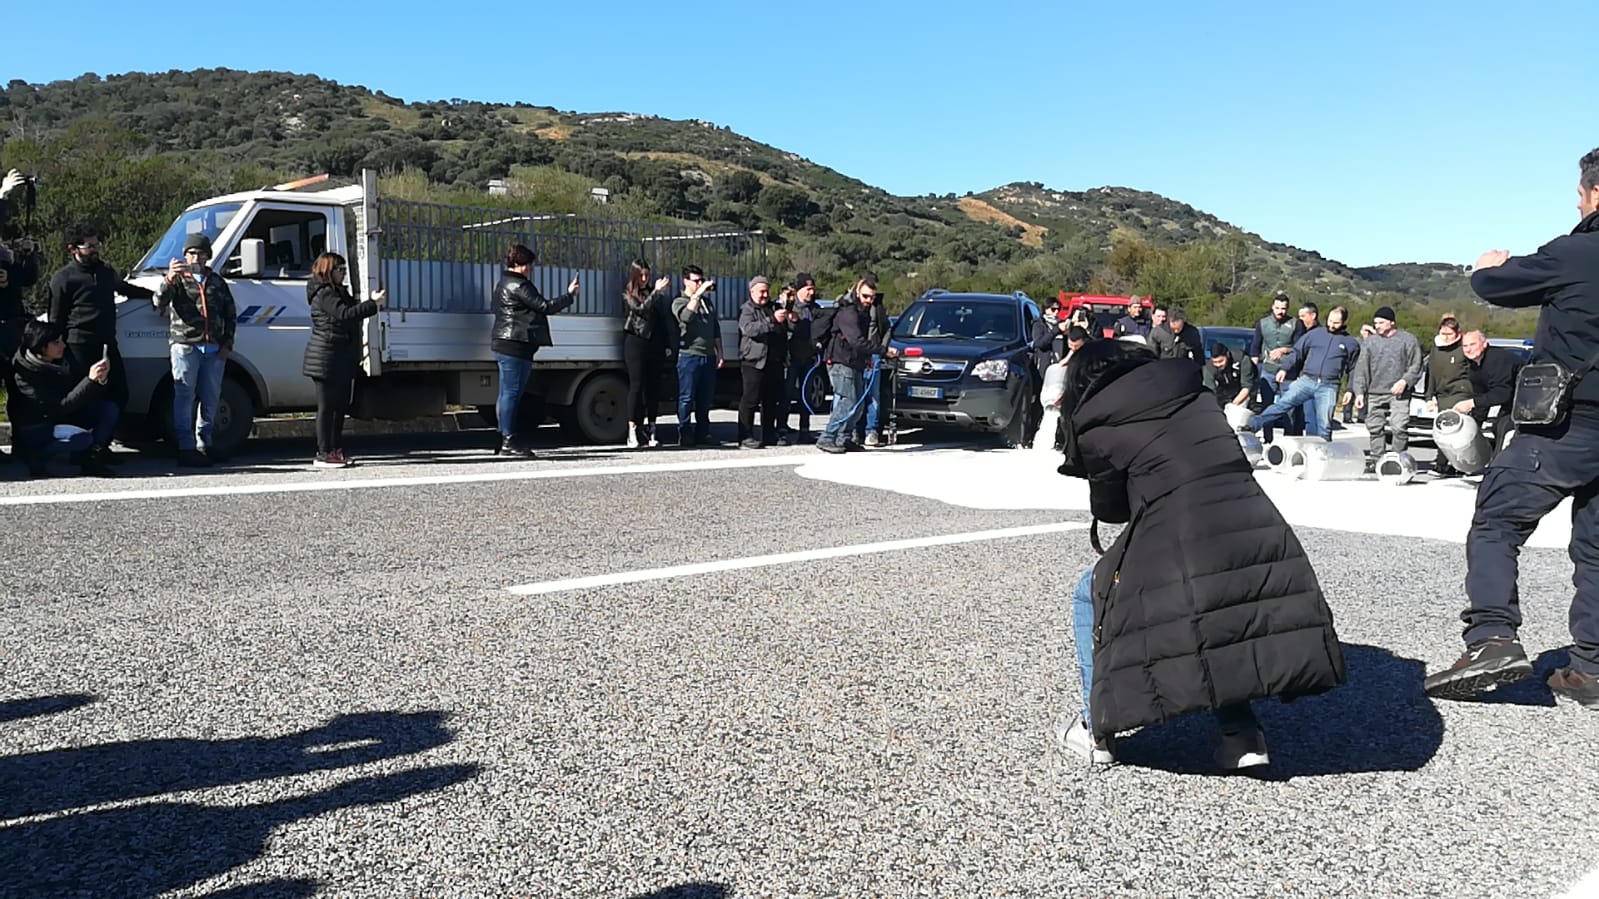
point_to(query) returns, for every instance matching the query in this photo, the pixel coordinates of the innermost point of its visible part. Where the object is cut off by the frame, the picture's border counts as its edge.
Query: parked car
(964, 361)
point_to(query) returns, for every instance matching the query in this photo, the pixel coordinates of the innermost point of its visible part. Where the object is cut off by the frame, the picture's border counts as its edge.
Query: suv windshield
(207, 220)
(959, 321)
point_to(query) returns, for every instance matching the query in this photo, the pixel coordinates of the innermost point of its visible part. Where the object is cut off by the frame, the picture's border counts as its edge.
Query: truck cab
(264, 243)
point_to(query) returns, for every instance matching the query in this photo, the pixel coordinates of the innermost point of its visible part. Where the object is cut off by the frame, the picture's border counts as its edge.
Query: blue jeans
(873, 410)
(196, 375)
(93, 426)
(1231, 718)
(1319, 395)
(696, 389)
(1295, 423)
(514, 372)
(847, 384)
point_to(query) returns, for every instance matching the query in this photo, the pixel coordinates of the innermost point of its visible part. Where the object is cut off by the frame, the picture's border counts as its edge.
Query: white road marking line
(419, 481)
(808, 555)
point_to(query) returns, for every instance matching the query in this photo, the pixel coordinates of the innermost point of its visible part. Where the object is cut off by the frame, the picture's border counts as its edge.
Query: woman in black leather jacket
(521, 326)
(333, 352)
(645, 345)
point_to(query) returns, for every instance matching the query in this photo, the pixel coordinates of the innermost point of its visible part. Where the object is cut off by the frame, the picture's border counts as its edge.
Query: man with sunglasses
(203, 318)
(700, 357)
(83, 302)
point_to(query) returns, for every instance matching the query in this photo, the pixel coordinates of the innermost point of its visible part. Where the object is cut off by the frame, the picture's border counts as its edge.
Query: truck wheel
(598, 413)
(235, 417)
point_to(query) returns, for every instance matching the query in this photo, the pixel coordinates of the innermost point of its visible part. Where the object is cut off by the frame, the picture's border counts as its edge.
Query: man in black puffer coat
(1186, 616)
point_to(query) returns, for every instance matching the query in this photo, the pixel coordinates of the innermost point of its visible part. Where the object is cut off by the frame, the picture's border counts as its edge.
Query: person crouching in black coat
(1181, 615)
(333, 352)
(53, 411)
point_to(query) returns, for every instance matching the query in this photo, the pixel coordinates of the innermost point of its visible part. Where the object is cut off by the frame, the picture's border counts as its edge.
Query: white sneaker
(632, 437)
(1245, 749)
(1073, 736)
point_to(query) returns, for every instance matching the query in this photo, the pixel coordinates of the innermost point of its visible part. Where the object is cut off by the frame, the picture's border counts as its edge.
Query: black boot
(509, 447)
(94, 462)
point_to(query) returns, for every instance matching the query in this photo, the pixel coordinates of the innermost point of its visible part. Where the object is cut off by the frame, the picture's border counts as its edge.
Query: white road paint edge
(809, 555)
(1586, 888)
(40, 499)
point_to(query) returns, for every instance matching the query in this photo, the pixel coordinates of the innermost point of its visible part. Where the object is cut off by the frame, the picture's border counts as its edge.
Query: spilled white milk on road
(1022, 479)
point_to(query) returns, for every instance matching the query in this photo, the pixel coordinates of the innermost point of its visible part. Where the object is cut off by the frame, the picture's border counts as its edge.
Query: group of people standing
(781, 341)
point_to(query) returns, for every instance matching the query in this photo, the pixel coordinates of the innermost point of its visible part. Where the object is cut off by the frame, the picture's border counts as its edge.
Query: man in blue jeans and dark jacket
(1540, 467)
(849, 352)
(1323, 357)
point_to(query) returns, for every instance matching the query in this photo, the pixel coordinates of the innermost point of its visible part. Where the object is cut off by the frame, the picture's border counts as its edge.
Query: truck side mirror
(252, 257)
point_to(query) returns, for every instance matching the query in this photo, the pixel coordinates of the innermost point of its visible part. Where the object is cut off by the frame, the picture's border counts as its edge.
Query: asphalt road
(304, 691)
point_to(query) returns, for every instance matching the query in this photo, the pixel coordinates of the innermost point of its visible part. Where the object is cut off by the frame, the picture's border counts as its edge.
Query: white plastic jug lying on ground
(1325, 460)
(1396, 468)
(1279, 454)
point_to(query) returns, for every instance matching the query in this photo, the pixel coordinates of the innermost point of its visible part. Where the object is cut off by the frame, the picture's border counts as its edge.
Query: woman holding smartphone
(644, 348)
(333, 351)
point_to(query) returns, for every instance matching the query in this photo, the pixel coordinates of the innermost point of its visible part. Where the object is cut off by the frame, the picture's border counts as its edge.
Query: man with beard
(1275, 336)
(1540, 468)
(83, 302)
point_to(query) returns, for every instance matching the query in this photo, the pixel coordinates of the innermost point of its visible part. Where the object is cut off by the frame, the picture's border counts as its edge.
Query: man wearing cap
(801, 350)
(202, 320)
(1383, 381)
(762, 346)
(1133, 323)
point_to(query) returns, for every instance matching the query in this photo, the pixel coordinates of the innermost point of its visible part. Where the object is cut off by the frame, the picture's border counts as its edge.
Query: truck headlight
(991, 370)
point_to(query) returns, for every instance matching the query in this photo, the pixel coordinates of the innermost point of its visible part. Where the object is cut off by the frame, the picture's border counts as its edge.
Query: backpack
(822, 330)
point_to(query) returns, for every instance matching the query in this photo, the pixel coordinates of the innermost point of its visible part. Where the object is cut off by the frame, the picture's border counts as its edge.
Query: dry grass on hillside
(977, 210)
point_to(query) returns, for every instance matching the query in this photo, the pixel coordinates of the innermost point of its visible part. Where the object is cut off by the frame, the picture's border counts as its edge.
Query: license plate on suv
(925, 393)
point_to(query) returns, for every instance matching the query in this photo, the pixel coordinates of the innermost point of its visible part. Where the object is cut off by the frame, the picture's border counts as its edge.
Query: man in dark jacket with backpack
(849, 352)
(1542, 465)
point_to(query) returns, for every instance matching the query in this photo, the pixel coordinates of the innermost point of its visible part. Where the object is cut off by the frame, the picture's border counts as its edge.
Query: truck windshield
(207, 220)
(960, 321)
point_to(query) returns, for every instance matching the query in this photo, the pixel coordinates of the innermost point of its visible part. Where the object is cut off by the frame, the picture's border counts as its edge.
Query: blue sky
(1371, 132)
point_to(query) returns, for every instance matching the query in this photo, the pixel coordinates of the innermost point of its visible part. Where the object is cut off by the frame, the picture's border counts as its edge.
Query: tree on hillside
(740, 187)
(789, 206)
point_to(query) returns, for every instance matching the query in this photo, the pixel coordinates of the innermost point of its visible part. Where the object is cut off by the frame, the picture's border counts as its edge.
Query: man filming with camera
(203, 318)
(19, 270)
(1555, 454)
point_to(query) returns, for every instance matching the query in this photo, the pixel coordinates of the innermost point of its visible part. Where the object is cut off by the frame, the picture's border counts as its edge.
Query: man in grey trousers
(1383, 381)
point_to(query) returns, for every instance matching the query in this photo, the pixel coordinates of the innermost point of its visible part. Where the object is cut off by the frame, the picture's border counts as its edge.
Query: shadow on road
(689, 891)
(1379, 720)
(17, 709)
(150, 848)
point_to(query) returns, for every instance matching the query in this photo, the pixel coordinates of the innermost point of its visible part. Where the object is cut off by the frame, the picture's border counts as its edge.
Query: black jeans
(332, 400)
(84, 351)
(762, 387)
(1525, 482)
(645, 359)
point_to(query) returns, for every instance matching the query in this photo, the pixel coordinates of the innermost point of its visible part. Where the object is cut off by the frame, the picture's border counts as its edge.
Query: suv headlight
(991, 370)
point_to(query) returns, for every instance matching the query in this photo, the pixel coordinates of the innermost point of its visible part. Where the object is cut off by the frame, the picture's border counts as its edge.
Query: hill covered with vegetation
(130, 151)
